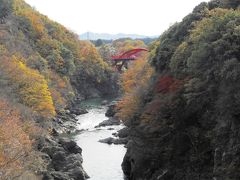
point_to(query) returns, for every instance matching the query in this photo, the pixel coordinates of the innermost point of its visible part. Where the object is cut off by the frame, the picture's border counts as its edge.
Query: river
(100, 161)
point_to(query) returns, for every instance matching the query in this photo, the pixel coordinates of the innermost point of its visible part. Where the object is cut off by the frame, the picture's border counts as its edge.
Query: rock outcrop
(112, 121)
(115, 141)
(63, 157)
(188, 123)
(111, 111)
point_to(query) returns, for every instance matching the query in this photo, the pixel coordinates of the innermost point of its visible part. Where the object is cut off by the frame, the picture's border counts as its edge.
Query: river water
(100, 161)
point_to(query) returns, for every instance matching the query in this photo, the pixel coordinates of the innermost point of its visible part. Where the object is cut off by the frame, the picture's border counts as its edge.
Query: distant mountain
(106, 36)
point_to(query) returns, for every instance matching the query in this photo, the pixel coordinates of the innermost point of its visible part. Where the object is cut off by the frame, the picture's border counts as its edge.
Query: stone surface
(110, 122)
(78, 111)
(115, 141)
(123, 133)
(70, 145)
(111, 111)
(63, 157)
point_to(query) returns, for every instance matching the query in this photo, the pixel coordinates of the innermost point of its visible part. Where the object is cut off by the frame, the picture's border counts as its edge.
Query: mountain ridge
(108, 36)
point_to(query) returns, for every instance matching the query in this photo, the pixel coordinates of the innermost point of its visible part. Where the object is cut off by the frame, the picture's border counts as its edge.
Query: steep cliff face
(44, 68)
(71, 67)
(188, 123)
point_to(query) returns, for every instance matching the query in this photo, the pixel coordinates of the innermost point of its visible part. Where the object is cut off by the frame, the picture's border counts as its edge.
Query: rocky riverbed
(83, 140)
(102, 161)
(62, 155)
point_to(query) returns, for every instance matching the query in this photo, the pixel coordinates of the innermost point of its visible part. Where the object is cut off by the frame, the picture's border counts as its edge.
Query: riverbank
(62, 156)
(73, 150)
(101, 161)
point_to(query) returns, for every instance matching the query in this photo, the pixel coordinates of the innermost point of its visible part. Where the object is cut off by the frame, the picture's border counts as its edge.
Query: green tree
(98, 43)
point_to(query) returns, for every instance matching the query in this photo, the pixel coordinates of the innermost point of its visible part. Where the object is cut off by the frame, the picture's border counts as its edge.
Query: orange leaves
(60, 51)
(137, 75)
(128, 106)
(15, 144)
(60, 89)
(35, 22)
(134, 83)
(21, 9)
(91, 62)
(90, 55)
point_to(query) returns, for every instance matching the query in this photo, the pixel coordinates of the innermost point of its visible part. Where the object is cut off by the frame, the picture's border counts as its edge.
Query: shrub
(31, 87)
(15, 144)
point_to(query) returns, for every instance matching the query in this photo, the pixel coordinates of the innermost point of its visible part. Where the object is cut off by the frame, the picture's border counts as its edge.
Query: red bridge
(121, 60)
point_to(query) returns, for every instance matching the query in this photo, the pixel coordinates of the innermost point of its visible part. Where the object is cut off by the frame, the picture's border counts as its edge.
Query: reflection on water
(101, 161)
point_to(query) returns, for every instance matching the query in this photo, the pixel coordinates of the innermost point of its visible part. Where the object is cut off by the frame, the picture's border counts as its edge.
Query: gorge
(174, 112)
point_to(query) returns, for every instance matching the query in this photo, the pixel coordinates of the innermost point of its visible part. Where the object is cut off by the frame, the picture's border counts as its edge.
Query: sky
(144, 17)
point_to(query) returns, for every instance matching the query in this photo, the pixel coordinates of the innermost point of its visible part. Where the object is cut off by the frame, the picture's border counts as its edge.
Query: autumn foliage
(42, 66)
(134, 83)
(123, 45)
(167, 84)
(30, 86)
(15, 144)
(60, 90)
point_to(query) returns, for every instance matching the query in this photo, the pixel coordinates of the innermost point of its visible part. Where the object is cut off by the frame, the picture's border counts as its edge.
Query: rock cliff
(188, 123)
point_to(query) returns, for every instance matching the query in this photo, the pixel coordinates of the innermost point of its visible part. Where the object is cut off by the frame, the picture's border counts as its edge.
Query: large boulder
(63, 157)
(70, 145)
(78, 111)
(111, 111)
(56, 175)
(110, 122)
(78, 174)
(123, 133)
(59, 160)
(115, 141)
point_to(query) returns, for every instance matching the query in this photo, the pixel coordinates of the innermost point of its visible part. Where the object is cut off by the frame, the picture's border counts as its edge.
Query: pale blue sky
(146, 17)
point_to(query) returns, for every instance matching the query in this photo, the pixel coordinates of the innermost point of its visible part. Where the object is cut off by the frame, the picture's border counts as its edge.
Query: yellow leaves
(32, 88)
(134, 82)
(88, 52)
(35, 21)
(176, 60)
(60, 89)
(182, 47)
(61, 49)
(3, 49)
(128, 44)
(137, 75)
(21, 9)
(218, 12)
(91, 60)
(208, 24)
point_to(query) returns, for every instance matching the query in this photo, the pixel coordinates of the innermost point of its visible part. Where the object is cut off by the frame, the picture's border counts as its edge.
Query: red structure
(121, 60)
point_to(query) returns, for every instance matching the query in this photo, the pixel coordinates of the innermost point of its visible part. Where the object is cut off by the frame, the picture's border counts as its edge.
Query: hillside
(70, 67)
(183, 122)
(180, 102)
(44, 69)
